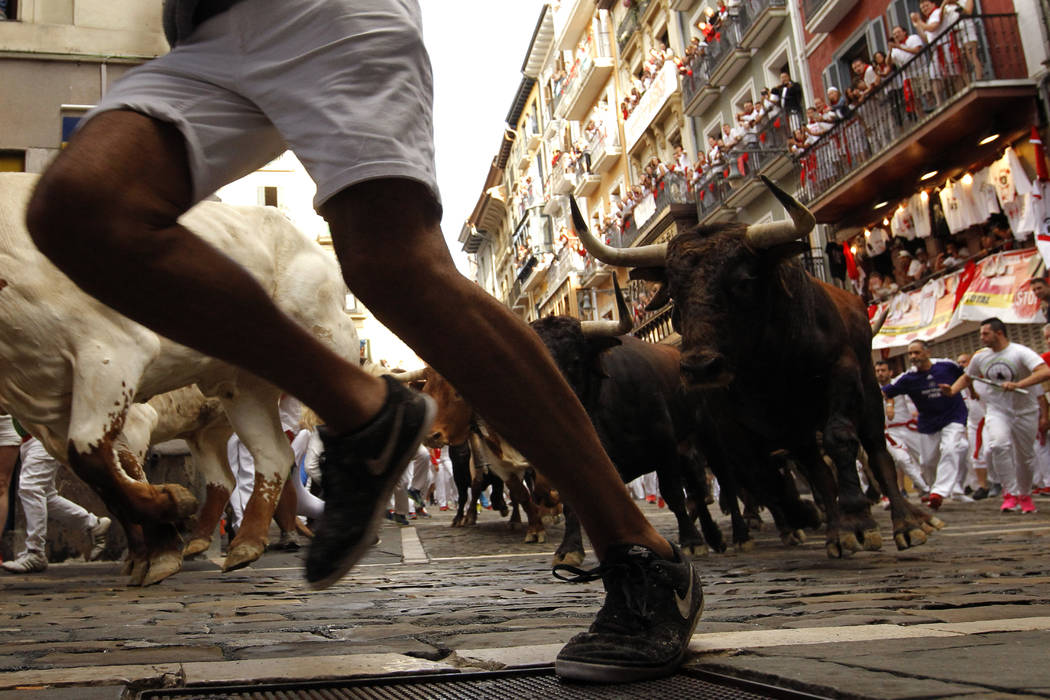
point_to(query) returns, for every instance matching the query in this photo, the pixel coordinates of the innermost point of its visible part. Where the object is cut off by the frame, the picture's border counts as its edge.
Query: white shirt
(934, 18)
(900, 56)
(1011, 364)
(903, 411)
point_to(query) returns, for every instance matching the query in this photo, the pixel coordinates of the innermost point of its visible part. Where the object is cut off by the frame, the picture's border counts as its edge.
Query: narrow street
(966, 615)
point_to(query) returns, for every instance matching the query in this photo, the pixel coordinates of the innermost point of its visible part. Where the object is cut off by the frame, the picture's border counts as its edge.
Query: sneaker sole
(355, 553)
(602, 673)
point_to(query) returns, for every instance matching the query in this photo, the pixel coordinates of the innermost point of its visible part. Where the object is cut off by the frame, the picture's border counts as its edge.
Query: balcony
(726, 57)
(652, 104)
(587, 79)
(563, 176)
(553, 129)
(587, 184)
(658, 328)
(912, 124)
(629, 25)
(763, 18)
(517, 299)
(711, 195)
(604, 148)
(565, 262)
(697, 91)
(672, 192)
(824, 15)
(532, 240)
(570, 19)
(533, 137)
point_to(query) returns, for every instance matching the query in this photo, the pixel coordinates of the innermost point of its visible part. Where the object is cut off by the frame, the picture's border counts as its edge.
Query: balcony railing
(656, 326)
(810, 8)
(630, 23)
(911, 96)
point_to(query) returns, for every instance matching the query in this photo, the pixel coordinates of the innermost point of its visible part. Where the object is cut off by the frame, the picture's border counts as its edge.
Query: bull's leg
(460, 456)
(208, 449)
(848, 512)
(911, 523)
(535, 532)
(670, 480)
(696, 484)
(252, 410)
(751, 513)
(499, 503)
(570, 551)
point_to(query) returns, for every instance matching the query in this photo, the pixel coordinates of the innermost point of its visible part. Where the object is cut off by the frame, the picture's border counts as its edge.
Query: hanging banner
(922, 314)
(1000, 289)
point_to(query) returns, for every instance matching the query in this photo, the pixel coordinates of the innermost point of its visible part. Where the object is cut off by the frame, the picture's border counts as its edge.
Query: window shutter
(876, 36)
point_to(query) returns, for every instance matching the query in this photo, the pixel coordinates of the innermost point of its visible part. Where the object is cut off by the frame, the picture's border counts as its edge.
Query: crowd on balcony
(898, 94)
(640, 83)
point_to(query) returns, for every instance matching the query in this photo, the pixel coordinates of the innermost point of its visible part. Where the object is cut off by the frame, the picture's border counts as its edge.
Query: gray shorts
(345, 84)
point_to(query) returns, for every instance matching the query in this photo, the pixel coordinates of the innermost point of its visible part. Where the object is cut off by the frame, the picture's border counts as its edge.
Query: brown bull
(780, 361)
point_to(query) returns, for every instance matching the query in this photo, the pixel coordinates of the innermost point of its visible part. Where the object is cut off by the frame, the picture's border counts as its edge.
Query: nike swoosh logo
(685, 603)
(378, 464)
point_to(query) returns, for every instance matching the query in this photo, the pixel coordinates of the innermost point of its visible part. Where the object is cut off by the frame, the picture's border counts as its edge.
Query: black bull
(780, 361)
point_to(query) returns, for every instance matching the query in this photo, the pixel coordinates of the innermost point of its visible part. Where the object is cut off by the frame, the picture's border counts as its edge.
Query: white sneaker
(98, 538)
(31, 562)
(962, 498)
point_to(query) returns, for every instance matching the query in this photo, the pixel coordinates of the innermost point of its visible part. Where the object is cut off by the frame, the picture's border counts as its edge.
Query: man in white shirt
(1006, 370)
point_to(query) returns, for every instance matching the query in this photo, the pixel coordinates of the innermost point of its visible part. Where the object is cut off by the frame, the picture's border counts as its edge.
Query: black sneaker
(358, 473)
(651, 608)
(980, 494)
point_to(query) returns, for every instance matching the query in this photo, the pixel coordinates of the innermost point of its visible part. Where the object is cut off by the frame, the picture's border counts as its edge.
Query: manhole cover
(498, 685)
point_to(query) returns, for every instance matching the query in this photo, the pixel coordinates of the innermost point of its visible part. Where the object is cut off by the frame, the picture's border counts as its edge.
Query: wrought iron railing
(912, 95)
(630, 23)
(656, 326)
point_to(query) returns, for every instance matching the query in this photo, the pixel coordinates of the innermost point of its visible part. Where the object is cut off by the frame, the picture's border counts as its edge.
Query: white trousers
(243, 465)
(942, 454)
(36, 491)
(1041, 478)
(444, 483)
(651, 484)
(636, 488)
(900, 442)
(1009, 444)
(416, 476)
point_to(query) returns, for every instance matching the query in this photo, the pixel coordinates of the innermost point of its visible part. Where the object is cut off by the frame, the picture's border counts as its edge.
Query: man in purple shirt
(942, 419)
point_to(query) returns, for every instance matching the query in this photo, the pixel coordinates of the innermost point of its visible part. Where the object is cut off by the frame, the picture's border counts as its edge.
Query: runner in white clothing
(1006, 370)
(902, 436)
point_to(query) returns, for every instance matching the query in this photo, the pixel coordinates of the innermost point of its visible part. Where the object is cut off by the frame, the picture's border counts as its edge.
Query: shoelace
(636, 604)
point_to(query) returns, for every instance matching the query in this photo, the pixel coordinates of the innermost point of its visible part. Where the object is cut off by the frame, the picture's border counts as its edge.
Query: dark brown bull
(777, 357)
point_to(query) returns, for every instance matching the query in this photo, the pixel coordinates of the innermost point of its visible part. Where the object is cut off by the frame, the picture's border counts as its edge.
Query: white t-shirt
(1011, 364)
(920, 214)
(934, 18)
(903, 411)
(900, 56)
(876, 242)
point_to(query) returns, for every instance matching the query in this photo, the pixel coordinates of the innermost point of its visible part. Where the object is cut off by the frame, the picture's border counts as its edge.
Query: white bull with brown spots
(71, 369)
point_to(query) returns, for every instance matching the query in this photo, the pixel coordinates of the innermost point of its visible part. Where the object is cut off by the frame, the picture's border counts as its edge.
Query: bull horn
(594, 329)
(762, 236)
(653, 255)
(407, 377)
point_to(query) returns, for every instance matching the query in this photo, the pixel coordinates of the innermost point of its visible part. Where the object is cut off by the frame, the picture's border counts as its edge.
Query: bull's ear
(661, 299)
(649, 274)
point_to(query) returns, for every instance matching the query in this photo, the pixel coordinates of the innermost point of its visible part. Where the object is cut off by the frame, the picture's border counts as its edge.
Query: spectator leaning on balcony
(770, 103)
(931, 25)
(869, 79)
(965, 31)
(791, 99)
(837, 103)
(815, 123)
(903, 47)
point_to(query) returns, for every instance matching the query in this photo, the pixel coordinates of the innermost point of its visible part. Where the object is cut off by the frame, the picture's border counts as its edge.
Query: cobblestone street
(966, 615)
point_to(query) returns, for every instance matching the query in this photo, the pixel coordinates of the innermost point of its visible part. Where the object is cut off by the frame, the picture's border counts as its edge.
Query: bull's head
(725, 281)
(452, 420)
(575, 345)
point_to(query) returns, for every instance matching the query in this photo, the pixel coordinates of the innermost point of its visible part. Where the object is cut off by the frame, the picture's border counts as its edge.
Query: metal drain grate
(496, 685)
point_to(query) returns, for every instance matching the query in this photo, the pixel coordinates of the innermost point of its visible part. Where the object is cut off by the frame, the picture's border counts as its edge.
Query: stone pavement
(967, 615)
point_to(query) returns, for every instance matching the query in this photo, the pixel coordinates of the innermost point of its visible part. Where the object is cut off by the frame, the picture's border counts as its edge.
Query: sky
(476, 49)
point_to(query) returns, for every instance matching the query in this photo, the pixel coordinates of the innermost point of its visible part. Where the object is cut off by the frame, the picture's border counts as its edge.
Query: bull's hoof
(530, 537)
(696, 549)
(849, 542)
(835, 551)
(927, 528)
(504, 511)
(936, 522)
(541, 537)
(568, 558)
(793, 538)
(457, 521)
(127, 566)
(241, 555)
(909, 538)
(161, 566)
(745, 546)
(196, 546)
(137, 573)
(183, 503)
(872, 540)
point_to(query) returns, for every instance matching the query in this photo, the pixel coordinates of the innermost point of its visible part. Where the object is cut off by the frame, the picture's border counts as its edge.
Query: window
(267, 196)
(8, 9)
(864, 42)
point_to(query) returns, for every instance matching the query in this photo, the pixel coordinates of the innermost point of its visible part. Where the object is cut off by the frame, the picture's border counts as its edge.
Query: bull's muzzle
(705, 370)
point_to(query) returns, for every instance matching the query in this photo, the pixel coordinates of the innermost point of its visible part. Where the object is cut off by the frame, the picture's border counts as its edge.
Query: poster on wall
(922, 314)
(1000, 288)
